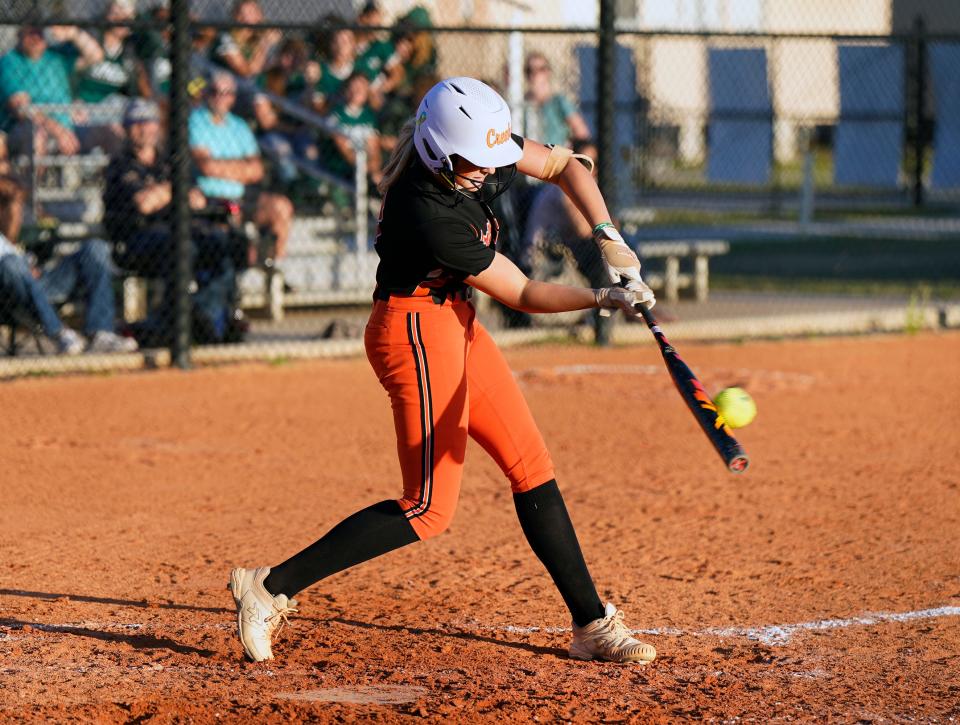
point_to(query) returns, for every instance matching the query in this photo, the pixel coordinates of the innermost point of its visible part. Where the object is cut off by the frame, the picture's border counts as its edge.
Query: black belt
(439, 296)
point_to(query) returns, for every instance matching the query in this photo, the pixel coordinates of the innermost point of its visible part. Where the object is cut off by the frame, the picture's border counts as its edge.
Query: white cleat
(259, 614)
(609, 639)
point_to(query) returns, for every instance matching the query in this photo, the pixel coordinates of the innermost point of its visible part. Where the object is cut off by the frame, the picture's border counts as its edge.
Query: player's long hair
(400, 158)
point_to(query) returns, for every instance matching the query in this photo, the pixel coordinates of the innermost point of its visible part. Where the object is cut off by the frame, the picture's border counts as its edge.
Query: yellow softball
(736, 406)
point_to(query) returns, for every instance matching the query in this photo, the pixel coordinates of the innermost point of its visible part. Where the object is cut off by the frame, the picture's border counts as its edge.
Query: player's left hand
(643, 293)
(617, 298)
(621, 261)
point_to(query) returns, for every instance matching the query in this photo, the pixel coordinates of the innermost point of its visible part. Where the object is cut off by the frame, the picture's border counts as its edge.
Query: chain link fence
(208, 184)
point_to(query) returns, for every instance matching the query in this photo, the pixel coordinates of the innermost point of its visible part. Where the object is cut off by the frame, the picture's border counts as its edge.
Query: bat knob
(739, 463)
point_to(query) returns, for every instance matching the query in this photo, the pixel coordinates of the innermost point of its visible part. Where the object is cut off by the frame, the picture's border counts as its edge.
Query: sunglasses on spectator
(536, 69)
(223, 92)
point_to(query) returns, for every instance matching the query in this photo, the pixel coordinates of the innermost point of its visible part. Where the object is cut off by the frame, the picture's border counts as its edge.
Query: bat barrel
(697, 401)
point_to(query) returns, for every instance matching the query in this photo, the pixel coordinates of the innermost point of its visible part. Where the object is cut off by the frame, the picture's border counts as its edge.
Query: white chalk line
(599, 369)
(769, 634)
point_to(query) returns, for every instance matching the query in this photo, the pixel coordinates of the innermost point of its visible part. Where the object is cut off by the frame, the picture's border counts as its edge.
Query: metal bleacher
(327, 262)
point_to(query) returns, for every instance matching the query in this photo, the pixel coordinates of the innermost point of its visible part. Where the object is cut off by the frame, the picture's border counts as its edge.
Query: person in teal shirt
(551, 117)
(34, 73)
(220, 136)
(227, 158)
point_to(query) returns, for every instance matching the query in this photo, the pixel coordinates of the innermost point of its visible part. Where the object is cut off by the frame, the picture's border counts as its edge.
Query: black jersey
(430, 238)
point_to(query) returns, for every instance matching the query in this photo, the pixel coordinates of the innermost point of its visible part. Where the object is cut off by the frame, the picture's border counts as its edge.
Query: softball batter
(445, 376)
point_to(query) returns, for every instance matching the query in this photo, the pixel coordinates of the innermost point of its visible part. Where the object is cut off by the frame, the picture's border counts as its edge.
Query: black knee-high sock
(365, 535)
(547, 526)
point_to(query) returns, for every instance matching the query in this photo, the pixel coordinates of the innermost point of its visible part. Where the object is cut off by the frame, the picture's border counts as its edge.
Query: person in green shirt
(337, 153)
(152, 49)
(377, 56)
(115, 74)
(339, 56)
(34, 73)
(245, 51)
(415, 45)
(110, 83)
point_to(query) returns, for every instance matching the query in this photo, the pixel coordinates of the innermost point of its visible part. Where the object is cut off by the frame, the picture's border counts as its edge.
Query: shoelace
(617, 634)
(282, 613)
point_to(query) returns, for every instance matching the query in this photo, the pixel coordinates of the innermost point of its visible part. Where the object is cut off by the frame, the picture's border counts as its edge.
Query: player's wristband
(600, 226)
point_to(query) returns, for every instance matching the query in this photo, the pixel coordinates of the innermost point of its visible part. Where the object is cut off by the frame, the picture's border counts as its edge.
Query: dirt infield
(823, 583)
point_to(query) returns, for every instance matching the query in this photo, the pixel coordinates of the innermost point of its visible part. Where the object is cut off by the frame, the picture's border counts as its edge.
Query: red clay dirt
(127, 498)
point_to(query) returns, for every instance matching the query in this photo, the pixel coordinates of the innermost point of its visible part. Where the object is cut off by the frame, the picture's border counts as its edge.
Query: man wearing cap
(137, 197)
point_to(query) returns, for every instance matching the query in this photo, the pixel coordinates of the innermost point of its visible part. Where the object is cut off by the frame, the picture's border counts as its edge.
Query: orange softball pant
(447, 379)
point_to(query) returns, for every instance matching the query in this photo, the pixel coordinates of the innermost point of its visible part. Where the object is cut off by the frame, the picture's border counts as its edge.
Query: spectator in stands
(337, 152)
(227, 157)
(28, 295)
(34, 73)
(112, 81)
(415, 46)
(555, 223)
(412, 76)
(23, 301)
(288, 70)
(292, 71)
(12, 196)
(245, 51)
(152, 48)
(115, 74)
(551, 117)
(377, 56)
(338, 48)
(137, 199)
(281, 137)
(399, 107)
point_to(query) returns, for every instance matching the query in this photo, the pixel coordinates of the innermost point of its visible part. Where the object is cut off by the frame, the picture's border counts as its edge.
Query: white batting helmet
(464, 117)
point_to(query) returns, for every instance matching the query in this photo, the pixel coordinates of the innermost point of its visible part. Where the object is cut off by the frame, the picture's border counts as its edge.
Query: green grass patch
(845, 259)
(916, 290)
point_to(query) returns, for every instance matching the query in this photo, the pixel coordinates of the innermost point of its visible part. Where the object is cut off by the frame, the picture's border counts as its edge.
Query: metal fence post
(606, 55)
(180, 166)
(919, 108)
(362, 200)
(515, 87)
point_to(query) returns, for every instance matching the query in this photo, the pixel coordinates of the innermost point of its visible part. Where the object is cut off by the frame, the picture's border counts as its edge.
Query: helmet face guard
(485, 191)
(462, 117)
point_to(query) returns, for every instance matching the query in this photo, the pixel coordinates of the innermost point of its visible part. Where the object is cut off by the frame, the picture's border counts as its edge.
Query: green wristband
(602, 225)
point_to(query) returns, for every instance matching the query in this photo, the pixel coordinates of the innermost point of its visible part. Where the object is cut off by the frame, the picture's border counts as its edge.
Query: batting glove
(643, 293)
(617, 298)
(621, 261)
